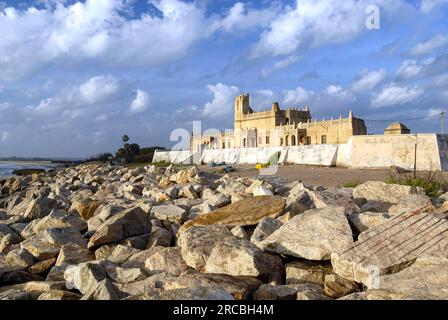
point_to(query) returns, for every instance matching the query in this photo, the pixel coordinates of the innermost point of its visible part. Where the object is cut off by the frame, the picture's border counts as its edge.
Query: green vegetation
(102, 157)
(352, 184)
(433, 183)
(27, 172)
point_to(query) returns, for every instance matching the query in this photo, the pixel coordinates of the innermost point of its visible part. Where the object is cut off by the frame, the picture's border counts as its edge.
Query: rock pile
(102, 232)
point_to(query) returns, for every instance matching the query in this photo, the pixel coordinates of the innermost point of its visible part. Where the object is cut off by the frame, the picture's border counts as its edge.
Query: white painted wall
(371, 151)
(317, 154)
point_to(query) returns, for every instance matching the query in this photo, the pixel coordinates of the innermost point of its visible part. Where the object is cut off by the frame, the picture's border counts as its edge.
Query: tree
(128, 151)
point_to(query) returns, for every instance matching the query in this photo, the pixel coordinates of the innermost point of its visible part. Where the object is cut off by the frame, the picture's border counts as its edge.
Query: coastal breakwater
(425, 152)
(97, 232)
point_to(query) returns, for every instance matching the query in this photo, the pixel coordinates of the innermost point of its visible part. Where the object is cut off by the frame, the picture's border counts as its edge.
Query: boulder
(239, 232)
(72, 254)
(376, 206)
(413, 203)
(39, 246)
(336, 287)
(124, 275)
(284, 292)
(115, 253)
(159, 237)
(59, 295)
(242, 213)
(19, 258)
(85, 208)
(85, 277)
(264, 229)
(63, 236)
(169, 212)
(333, 197)
(217, 200)
(298, 272)
(56, 219)
(377, 190)
(313, 235)
(392, 246)
(198, 293)
(130, 222)
(239, 257)
(239, 287)
(425, 279)
(103, 213)
(42, 267)
(366, 220)
(167, 260)
(197, 243)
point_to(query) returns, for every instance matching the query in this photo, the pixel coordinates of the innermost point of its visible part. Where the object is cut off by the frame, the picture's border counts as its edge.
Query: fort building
(296, 138)
(278, 128)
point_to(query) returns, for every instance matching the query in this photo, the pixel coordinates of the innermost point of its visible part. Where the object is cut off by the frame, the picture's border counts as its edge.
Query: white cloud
(409, 69)
(240, 17)
(338, 91)
(5, 105)
(368, 80)
(279, 65)
(223, 100)
(441, 81)
(100, 89)
(311, 23)
(428, 5)
(141, 102)
(427, 47)
(262, 99)
(297, 96)
(66, 34)
(394, 95)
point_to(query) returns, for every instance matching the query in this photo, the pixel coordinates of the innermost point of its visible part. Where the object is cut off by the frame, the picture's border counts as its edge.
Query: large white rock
(239, 257)
(313, 235)
(377, 190)
(128, 223)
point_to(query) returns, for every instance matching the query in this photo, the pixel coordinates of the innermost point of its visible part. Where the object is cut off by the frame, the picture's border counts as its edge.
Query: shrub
(432, 182)
(352, 184)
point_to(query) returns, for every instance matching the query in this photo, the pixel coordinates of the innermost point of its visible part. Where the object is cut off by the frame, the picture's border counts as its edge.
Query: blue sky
(76, 75)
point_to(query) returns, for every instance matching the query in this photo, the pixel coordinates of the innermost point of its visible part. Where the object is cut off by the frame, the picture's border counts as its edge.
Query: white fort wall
(369, 152)
(385, 151)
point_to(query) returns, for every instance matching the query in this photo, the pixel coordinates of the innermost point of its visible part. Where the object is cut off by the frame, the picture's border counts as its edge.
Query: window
(281, 141)
(267, 139)
(287, 140)
(260, 140)
(308, 140)
(223, 145)
(293, 140)
(244, 142)
(323, 139)
(229, 144)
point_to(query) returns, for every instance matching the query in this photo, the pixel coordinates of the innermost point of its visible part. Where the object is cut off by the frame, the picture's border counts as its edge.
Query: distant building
(397, 128)
(279, 128)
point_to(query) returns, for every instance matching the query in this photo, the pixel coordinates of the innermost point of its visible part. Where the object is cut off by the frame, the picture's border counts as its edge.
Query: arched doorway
(293, 140)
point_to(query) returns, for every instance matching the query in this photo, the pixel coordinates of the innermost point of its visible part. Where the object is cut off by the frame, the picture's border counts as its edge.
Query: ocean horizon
(7, 167)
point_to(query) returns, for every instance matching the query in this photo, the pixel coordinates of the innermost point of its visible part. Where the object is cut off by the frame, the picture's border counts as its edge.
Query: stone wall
(177, 157)
(384, 151)
(322, 155)
(360, 152)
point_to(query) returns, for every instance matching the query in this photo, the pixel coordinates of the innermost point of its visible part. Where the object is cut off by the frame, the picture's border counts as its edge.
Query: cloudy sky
(76, 75)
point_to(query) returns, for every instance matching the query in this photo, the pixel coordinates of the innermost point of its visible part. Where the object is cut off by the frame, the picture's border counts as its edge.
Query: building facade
(278, 128)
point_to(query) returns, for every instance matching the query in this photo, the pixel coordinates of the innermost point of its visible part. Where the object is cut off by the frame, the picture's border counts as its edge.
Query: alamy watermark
(373, 20)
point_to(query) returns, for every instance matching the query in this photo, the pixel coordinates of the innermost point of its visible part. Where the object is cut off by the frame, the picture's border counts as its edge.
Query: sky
(77, 75)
